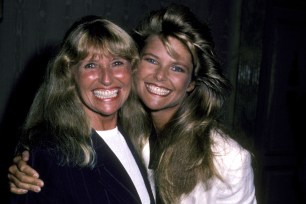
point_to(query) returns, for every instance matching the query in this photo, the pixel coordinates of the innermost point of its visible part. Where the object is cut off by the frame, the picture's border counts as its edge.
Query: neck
(103, 122)
(161, 118)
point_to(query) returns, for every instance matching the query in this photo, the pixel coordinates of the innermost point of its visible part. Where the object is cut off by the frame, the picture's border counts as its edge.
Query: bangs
(105, 44)
(185, 41)
(100, 37)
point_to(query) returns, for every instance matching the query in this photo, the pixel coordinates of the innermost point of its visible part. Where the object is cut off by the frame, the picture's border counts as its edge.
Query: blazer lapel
(140, 164)
(112, 174)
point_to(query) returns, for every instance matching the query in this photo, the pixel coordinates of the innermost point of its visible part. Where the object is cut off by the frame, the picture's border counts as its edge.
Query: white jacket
(234, 165)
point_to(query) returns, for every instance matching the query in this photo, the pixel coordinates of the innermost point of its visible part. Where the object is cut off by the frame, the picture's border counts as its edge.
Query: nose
(106, 76)
(160, 74)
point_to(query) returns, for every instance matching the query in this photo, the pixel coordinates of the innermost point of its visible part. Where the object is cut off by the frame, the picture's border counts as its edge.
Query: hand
(22, 177)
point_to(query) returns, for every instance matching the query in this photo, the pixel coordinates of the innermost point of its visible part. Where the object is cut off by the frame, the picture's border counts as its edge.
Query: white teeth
(157, 90)
(106, 93)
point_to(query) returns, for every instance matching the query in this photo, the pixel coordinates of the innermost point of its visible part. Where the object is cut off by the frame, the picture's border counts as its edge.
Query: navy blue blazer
(107, 182)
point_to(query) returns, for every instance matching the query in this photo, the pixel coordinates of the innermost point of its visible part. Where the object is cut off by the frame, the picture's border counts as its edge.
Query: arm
(22, 177)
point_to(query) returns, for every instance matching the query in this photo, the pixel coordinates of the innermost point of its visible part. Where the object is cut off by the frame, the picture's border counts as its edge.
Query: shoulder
(228, 153)
(234, 165)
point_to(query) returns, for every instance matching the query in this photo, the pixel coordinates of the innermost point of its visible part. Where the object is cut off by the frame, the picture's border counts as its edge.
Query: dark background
(262, 45)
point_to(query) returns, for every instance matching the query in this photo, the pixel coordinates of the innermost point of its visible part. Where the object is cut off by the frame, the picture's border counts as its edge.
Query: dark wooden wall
(281, 104)
(262, 47)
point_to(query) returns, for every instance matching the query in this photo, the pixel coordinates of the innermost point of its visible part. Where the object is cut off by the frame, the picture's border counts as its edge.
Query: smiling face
(103, 83)
(163, 80)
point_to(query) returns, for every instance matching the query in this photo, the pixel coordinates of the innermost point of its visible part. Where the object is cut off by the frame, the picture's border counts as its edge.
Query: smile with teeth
(106, 93)
(157, 90)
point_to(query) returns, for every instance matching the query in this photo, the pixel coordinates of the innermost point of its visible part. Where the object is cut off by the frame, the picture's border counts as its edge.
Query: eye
(150, 60)
(90, 66)
(117, 63)
(177, 69)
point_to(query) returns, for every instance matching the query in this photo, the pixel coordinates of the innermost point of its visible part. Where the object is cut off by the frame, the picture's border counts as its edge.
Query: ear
(191, 86)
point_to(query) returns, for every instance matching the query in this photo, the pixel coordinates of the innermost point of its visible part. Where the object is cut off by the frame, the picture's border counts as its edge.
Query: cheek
(139, 81)
(143, 70)
(138, 76)
(85, 77)
(182, 84)
(124, 76)
(128, 82)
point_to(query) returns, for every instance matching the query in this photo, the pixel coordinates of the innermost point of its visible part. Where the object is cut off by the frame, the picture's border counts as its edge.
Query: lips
(157, 90)
(106, 93)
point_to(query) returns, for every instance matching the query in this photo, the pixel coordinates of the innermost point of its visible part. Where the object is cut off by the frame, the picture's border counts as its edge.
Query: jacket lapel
(112, 174)
(139, 162)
